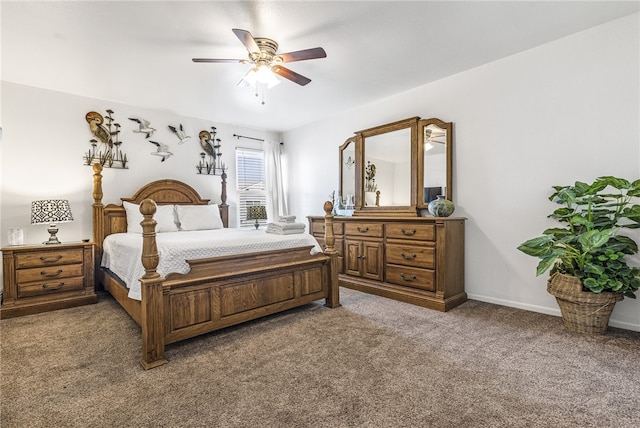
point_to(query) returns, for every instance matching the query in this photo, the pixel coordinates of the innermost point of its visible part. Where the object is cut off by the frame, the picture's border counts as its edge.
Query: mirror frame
(417, 205)
(342, 148)
(361, 139)
(448, 127)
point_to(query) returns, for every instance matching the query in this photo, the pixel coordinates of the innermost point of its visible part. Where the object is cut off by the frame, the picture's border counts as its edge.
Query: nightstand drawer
(49, 258)
(40, 288)
(410, 255)
(424, 279)
(48, 273)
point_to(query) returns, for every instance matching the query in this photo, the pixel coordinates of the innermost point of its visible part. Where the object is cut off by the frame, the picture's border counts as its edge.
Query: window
(250, 182)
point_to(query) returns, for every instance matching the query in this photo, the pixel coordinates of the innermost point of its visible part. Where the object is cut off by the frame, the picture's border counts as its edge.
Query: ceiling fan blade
(303, 55)
(241, 61)
(291, 75)
(247, 40)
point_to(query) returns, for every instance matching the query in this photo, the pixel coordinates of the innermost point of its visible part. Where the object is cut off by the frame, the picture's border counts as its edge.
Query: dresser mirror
(435, 142)
(348, 172)
(385, 179)
(398, 168)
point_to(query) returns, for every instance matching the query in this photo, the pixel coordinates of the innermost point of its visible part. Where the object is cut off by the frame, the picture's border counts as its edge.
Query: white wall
(45, 136)
(564, 111)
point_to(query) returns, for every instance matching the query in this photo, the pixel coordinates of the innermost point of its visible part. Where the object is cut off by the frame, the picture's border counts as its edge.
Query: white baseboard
(544, 310)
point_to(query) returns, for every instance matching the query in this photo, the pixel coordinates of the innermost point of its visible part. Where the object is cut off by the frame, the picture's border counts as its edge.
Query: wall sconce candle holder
(211, 158)
(106, 132)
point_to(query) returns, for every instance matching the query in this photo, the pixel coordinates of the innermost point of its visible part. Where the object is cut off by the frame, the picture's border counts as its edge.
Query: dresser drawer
(424, 279)
(49, 258)
(371, 230)
(410, 255)
(48, 273)
(317, 228)
(52, 286)
(422, 232)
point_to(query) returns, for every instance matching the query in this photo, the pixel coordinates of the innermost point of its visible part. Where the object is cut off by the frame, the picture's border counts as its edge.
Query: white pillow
(164, 216)
(199, 217)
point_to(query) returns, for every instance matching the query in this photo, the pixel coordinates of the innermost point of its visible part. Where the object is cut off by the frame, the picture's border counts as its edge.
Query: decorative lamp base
(53, 239)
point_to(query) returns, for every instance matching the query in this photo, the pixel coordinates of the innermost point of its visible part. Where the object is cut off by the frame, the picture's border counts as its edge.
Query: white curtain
(276, 199)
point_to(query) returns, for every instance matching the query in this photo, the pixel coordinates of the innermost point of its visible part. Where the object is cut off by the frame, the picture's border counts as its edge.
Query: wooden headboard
(112, 218)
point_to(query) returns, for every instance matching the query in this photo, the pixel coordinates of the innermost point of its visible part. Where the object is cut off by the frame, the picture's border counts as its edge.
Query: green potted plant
(587, 257)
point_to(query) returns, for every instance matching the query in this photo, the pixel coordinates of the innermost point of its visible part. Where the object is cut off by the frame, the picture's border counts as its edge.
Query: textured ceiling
(139, 52)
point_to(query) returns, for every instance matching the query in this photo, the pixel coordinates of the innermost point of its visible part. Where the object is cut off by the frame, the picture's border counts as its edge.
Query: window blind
(250, 182)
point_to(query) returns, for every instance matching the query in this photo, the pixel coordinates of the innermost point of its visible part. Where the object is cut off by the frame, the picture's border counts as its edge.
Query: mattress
(122, 252)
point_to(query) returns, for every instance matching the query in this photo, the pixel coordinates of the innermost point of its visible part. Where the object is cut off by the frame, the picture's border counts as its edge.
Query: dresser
(418, 260)
(39, 278)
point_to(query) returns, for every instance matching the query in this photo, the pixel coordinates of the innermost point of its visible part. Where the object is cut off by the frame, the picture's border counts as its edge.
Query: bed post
(98, 209)
(224, 208)
(333, 299)
(152, 308)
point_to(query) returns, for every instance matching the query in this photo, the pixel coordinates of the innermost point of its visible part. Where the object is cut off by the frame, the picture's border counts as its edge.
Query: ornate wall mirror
(385, 164)
(348, 172)
(434, 160)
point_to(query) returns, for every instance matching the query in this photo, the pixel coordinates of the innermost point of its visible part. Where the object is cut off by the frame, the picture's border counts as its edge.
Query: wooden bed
(217, 292)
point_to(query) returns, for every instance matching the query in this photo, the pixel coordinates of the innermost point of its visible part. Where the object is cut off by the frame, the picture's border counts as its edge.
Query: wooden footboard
(222, 291)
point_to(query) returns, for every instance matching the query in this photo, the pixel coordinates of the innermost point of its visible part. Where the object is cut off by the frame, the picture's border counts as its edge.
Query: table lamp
(51, 211)
(256, 212)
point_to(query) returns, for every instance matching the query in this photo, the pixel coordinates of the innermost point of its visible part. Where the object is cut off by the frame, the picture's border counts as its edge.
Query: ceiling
(139, 53)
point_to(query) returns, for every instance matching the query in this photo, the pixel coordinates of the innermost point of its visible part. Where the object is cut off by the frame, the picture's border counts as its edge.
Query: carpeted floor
(374, 362)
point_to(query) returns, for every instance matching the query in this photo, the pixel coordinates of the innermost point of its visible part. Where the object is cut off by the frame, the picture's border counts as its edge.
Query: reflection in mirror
(348, 173)
(387, 161)
(436, 146)
(435, 165)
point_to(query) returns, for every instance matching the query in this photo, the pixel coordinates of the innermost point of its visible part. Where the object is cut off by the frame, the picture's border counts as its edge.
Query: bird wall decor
(182, 136)
(211, 146)
(98, 128)
(106, 132)
(144, 126)
(162, 150)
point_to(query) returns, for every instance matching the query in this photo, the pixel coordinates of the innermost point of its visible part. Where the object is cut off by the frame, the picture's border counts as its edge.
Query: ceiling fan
(263, 53)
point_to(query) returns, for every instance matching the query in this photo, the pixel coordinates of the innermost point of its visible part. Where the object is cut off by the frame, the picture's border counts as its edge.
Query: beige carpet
(372, 363)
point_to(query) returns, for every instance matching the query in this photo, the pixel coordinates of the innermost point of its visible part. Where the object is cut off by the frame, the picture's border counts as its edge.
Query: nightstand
(39, 278)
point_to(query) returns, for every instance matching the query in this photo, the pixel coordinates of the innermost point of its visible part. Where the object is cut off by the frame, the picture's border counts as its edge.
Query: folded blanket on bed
(284, 228)
(287, 219)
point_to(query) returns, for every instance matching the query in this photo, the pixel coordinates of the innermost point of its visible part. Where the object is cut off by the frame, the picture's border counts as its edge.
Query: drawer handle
(51, 275)
(362, 257)
(408, 257)
(53, 260)
(57, 287)
(362, 230)
(408, 278)
(408, 232)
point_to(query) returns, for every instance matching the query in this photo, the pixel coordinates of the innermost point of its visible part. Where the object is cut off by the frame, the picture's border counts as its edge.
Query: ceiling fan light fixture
(261, 76)
(266, 76)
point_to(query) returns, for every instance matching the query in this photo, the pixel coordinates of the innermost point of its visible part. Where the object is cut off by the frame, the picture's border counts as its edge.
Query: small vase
(441, 207)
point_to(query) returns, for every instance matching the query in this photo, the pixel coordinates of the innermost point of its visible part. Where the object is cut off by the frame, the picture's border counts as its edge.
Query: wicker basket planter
(582, 311)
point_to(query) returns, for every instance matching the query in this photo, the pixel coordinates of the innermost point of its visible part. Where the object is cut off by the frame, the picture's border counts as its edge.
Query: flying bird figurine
(180, 133)
(144, 126)
(162, 150)
(98, 129)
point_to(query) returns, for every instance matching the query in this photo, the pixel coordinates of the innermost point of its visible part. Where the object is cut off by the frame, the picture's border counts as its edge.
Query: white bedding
(123, 251)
